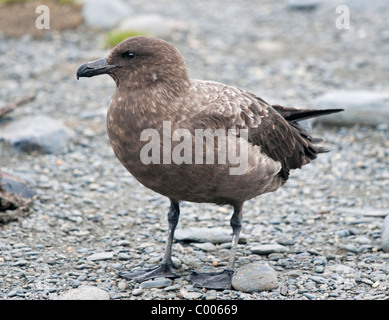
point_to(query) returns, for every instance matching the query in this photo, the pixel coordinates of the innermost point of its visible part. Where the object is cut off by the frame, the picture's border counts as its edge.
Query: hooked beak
(94, 68)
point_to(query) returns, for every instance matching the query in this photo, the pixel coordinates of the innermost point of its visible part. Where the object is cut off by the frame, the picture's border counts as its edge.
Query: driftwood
(12, 207)
(9, 107)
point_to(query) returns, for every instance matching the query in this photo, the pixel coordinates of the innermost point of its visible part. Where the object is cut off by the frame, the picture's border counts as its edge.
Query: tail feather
(293, 114)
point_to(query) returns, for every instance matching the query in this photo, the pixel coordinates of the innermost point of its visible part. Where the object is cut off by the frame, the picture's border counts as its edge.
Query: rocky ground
(321, 233)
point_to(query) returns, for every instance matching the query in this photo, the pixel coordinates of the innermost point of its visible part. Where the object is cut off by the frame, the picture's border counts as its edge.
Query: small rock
(15, 185)
(122, 285)
(213, 235)
(310, 296)
(268, 248)
(352, 248)
(176, 262)
(255, 277)
(152, 24)
(342, 270)
(385, 235)
(207, 246)
(84, 293)
(20, 263)
(156, 283)
(137, 292)
(193, 295)
(37, 133)
(362, 240)
(123, 256)
(189, 295)
(100, 256)
(104, 14)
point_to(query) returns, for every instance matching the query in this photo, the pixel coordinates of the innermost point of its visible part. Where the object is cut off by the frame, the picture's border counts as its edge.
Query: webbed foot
(160, 271)
(214, 280)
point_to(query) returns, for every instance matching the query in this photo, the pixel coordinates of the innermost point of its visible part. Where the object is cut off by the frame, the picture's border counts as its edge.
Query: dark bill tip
(94, 68)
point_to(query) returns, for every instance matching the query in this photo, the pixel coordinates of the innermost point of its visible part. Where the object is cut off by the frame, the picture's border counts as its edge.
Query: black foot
(161, 271)
(214, 280)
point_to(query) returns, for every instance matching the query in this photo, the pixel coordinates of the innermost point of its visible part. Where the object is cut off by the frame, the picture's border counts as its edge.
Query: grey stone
(84, 293)
(137, 292)
(176, 262)
(104, 14)
(255, 277)
(207, 246)
(156, 283)
(385, 235)
(193, 295)
(343, 270)
(152, 24)
(15, 185)
(20, 263)
(189, 295)
(123, 256)
(213, 235)
(360, 106)
(268, 248)
(100, 256)
(37, 133)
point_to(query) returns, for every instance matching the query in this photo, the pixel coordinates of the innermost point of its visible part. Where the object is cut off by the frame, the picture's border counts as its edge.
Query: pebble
(255, 277)
(16, 185)
(187, 293)
(137, 292)
(268, 248)
(100, 256)
(84, 293)
(207, 246)
(122, 285)
(156, 283)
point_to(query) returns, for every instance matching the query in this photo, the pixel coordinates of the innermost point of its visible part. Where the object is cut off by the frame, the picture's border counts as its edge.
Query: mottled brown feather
(155, 87)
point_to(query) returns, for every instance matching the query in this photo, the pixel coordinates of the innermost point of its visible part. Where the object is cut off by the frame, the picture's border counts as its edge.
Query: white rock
(342, 270)
(153, 25)
(268, 248)
(84, 293)
(100, 256)
(360, 106)
(255, 277)
(104, 14)
(207, 246)
(156, 283)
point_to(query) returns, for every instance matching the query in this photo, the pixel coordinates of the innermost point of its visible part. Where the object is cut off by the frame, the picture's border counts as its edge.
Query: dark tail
(293, 114)
(306, 142)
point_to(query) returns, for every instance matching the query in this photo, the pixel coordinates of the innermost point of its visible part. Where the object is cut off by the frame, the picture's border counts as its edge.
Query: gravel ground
(92, 219)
